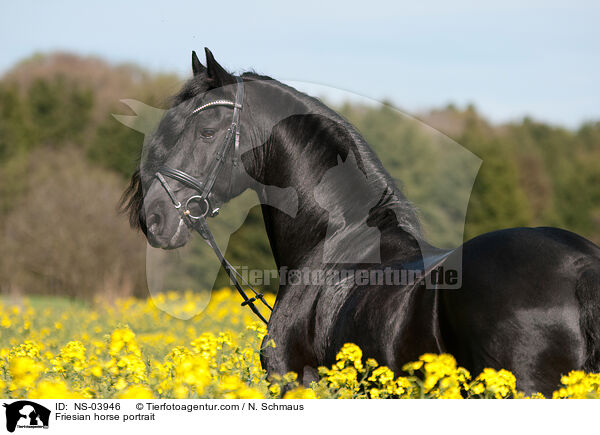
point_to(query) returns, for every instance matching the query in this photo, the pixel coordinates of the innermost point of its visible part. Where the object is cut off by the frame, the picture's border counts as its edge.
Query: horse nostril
(153, 224)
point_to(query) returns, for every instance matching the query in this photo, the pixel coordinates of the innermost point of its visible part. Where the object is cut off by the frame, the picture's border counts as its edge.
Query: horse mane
(132, 201)
(392, 198)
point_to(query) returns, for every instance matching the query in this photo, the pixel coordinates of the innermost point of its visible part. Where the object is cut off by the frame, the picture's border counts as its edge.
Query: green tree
(59, 111)
(116, 147)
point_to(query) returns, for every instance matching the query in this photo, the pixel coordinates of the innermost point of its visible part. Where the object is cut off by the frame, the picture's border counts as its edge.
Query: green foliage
(59, 110)
(52, 112)
(497, 199)
(14, 130)
(116, 147)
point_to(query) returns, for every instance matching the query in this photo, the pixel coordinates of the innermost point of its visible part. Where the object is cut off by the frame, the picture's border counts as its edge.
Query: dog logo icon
(26, 414)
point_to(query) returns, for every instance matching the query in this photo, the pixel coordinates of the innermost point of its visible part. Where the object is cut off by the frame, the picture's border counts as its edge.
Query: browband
(214, 103)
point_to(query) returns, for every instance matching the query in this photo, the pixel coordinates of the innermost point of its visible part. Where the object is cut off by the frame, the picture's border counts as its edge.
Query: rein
(203, 188)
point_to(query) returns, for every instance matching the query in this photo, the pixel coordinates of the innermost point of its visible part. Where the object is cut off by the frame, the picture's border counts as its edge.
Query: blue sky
(508, 58)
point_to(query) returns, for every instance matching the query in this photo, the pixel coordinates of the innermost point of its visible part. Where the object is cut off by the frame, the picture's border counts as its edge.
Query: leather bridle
(204, 188)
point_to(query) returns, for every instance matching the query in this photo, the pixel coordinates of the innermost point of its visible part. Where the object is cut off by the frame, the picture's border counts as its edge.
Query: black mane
(406, 214)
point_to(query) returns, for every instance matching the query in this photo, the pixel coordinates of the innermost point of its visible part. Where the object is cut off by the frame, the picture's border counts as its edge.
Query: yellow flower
(349, 354)
(478, 388)
(498, 384)
(121, 384)
(412, 366)
(56, 389)
(382, 375)
(71, 357)
(136, 392)
(275, 390)
(24, 371)
(300, 393)
(232, 387)
(205, 345)
(290, 377)
(56, 353)
(193, 371)
(28, 348)
(578, 385)
(374, 393)
(123, 339)
(371, 363)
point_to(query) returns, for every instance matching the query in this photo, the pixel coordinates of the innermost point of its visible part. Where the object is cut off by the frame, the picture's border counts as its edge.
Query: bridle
(204, 188)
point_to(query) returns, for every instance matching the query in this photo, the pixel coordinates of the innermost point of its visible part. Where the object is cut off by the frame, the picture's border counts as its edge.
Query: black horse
(529, 300)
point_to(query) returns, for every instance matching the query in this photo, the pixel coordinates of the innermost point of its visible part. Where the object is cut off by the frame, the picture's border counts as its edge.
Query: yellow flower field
(54, 348)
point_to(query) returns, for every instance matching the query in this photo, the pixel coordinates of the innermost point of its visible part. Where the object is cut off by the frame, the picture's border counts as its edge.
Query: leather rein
(203, 188)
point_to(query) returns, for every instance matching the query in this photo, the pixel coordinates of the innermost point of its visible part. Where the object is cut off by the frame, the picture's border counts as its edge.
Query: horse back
(518, 304)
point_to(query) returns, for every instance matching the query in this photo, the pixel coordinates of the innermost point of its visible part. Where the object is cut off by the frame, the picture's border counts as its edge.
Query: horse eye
(207, 133)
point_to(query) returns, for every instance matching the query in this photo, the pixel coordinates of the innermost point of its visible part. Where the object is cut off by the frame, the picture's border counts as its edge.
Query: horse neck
(299, 152)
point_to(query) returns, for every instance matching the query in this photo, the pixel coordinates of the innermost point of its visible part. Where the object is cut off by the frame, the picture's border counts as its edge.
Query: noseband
(203, 189)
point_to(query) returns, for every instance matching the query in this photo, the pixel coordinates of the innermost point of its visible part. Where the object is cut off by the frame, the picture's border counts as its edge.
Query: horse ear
(339, 160)
(216, 72)
(197, 67)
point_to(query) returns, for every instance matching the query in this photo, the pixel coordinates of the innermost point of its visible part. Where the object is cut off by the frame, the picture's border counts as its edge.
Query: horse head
(200, 132)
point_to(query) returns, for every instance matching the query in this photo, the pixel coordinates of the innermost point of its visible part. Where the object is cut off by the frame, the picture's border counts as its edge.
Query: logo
(24, 414)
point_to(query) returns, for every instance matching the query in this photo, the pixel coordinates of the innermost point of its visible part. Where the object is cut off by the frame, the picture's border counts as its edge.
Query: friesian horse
(529, 300)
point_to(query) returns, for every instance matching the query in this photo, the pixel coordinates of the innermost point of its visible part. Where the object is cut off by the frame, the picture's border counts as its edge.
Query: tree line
(64, 161)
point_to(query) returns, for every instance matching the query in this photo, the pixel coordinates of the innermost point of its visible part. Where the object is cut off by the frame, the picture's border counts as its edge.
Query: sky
(509, 58)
